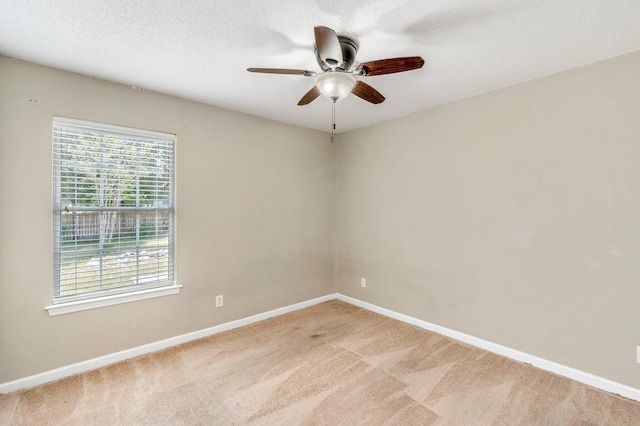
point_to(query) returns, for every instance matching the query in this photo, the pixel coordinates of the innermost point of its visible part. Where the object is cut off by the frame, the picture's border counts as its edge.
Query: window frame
(123, 293)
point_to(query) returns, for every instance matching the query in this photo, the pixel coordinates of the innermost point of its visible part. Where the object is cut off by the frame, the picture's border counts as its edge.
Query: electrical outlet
(219, 301)
(363, 282)
(638, 354)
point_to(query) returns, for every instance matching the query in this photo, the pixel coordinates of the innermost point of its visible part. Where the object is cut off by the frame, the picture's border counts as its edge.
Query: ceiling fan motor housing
(349, 47)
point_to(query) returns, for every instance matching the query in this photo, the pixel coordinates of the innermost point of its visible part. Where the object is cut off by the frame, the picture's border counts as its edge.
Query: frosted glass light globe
(335, 85)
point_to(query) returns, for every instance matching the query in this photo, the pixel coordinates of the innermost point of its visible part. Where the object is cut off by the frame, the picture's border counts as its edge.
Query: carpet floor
(329, 364)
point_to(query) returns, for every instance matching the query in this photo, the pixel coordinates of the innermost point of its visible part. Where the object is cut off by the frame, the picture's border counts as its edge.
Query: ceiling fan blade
(328, 46)
(368, 93)
(309, 96)
(390, 66)
(283, 71)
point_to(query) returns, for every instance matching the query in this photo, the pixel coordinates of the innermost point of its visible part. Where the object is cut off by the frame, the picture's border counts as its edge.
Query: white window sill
(115, 299)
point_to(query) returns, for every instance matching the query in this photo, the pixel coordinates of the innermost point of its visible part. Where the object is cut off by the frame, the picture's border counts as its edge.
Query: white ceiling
(200, 49)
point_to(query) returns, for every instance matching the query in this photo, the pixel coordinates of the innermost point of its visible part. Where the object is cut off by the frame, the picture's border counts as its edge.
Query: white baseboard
(92, 364)
(81, 367)
(559, 369)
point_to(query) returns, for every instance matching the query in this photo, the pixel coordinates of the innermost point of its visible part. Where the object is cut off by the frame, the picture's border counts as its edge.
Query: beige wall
(255, 218)
(513, 216)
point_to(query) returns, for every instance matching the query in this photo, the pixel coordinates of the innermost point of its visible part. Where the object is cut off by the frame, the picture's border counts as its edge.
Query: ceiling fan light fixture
(336, 55)
(335, 85)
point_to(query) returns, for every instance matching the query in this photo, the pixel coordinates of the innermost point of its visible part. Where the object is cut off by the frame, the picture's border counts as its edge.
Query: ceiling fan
(335, 55)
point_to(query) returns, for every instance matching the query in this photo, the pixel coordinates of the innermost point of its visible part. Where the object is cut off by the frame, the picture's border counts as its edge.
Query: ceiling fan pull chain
(333, 120)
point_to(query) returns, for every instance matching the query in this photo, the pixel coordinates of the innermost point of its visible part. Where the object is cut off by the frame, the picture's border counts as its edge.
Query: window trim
(58, 306)
(114, 299)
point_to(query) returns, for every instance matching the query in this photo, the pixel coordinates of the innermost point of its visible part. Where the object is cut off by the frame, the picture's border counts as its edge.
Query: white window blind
(113, 209)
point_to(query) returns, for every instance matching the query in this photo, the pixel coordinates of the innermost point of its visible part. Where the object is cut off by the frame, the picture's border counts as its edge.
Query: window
(113, 212)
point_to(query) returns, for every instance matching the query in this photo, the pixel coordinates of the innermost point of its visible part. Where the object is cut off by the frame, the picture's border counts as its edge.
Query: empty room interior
(453, 239)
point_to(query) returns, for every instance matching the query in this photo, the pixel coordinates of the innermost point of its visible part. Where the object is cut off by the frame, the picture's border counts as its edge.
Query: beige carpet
(329, 364)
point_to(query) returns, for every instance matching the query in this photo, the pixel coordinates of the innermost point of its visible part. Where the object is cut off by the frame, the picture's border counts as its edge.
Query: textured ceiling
(200, 49)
